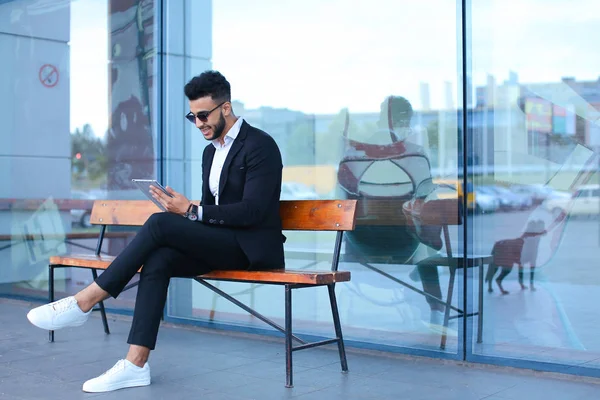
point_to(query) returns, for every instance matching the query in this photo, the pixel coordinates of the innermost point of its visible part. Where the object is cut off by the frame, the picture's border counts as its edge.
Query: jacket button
(221, 222)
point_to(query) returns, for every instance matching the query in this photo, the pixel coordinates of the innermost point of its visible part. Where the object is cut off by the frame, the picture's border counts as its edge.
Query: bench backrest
(304, 215)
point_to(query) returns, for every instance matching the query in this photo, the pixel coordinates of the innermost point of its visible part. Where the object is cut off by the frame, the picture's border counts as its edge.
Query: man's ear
(227, 110)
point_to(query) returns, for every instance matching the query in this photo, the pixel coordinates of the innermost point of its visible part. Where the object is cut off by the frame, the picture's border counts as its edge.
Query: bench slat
(280, 276)
(311, 215)
(318, 215)
(273, 276)
(83, 260)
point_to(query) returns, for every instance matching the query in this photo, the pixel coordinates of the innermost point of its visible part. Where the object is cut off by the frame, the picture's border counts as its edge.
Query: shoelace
(62, 305)
(119, 366)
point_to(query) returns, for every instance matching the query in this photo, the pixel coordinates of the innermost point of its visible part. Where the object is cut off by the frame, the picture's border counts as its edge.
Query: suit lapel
(206, 170)
(236, 146)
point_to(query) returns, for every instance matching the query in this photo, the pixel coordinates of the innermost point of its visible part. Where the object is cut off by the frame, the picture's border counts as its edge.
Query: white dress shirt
(221, 151)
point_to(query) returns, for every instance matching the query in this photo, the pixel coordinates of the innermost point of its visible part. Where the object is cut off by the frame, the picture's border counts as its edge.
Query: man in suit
(236, 225)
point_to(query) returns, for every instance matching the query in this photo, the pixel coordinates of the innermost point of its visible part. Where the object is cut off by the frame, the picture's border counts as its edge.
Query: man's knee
(159, 219)
(160, 225)
(159, 263)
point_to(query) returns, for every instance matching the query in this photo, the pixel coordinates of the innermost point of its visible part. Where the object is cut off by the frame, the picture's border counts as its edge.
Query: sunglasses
(201, 115)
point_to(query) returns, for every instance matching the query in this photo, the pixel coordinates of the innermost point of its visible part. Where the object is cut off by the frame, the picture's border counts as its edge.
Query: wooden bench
(302, 215)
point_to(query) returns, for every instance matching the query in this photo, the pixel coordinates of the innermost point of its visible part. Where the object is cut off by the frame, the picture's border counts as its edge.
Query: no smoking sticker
(48, 75)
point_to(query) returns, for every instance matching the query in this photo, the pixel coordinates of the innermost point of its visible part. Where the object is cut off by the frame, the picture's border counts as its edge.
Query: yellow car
(458, 185)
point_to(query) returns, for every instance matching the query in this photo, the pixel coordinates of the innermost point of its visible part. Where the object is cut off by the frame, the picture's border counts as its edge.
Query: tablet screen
(144, 186)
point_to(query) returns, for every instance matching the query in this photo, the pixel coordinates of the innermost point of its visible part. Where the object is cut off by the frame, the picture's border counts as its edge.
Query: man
(236, 225)
(399, 150)
(386, 166)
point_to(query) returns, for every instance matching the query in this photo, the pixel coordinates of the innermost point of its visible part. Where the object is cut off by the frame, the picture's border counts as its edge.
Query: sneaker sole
(439, 329)
(55, 328)
(123, 385)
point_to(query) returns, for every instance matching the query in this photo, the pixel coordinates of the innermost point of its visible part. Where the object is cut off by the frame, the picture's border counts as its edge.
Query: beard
(217, 130)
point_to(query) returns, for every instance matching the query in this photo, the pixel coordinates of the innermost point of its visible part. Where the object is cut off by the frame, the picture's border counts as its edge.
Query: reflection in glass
(360, 121)
(85, 69)
(536, 117)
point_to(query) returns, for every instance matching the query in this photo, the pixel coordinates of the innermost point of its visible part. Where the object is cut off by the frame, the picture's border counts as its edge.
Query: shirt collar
(233, 133)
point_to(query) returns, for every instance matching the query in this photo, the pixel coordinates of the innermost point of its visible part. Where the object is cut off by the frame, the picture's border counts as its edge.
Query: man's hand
(178, 204)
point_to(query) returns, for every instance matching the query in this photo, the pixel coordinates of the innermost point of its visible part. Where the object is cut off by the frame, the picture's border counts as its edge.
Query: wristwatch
(192, 212)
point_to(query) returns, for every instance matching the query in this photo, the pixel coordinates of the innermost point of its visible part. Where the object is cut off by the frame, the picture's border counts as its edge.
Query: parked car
(508, 200)
(82, 216)
(458, 186)
(538, 193)
(584, 201)
(528, 191)
(297, 191)
(485, 202)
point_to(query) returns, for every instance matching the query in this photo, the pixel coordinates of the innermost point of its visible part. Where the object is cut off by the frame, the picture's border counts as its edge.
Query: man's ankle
(83, 306)
(138, 355)
(137, 361)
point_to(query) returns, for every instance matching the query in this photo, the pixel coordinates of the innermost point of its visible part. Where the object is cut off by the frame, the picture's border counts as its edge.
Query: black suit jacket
(249, 190)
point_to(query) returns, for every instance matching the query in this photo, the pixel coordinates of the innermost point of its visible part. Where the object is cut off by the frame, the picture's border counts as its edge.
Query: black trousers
(167, 245)
(431, 284)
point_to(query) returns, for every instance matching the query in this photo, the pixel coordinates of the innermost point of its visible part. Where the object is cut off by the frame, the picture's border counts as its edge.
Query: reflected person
(383, 171)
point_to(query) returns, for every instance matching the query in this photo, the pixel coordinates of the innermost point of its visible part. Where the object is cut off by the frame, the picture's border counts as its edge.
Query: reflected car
(82, 216)
(538, 193)
(584, 201)
(297, 191)
(458, 186)
(485, 202)
(508, 200)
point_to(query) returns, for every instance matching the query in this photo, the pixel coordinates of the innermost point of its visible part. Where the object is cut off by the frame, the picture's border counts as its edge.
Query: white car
(82, 216)
(297, 191)
(485, 203)
(584, 201)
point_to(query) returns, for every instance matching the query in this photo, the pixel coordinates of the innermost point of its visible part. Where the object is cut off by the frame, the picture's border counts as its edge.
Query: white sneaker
(60, 314)
(123, 375)
(436, 324)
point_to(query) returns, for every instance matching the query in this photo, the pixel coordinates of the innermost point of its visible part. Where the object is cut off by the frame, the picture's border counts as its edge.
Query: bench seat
(277, 276)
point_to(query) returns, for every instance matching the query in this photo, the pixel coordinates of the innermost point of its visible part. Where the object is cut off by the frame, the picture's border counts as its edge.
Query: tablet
(144, 186)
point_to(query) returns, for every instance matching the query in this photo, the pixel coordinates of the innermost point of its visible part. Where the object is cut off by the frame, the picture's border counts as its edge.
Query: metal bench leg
(51, 295)
(289, 381)
(480, 310)
(211, 315)
(448, 303)
(338, 327)
(102, 310)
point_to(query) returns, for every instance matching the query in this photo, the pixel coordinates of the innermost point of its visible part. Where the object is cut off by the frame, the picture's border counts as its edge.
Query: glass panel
(360, 110)
(538, 173)
(77, 123)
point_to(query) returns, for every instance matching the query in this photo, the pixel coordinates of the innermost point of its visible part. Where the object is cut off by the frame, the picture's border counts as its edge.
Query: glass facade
(468, 132)
(534, 126)
(78, 122)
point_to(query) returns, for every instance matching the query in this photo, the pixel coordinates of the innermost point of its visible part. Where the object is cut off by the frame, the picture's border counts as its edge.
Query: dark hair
(208, 83)
(396, 110)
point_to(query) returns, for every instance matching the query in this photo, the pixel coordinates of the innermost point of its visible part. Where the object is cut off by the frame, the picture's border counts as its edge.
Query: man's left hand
(178, 204)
